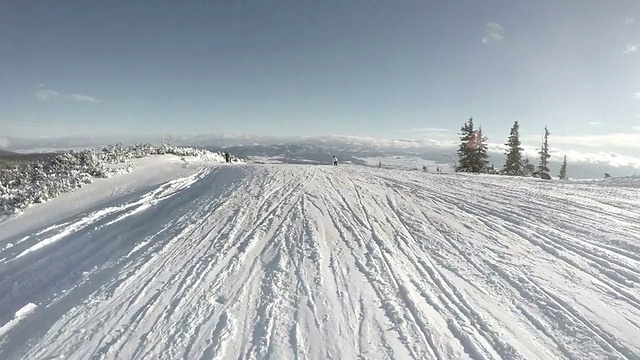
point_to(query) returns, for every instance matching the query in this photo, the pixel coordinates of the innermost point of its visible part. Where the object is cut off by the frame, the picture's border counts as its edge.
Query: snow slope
(401, 162)
(136, 175)
(316, 262)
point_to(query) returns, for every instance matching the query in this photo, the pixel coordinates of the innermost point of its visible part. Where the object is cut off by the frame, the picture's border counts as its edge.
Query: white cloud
(83, 98)
(428, 129)
(628, 141)
(594, 123)
(494, 33)
(637, 128)
(48, 95)
(630, 21)
(632, 48)
(384, 143)
(636, 95)
(424, 130)
(4, 143)
(51, 95)
(610, 158)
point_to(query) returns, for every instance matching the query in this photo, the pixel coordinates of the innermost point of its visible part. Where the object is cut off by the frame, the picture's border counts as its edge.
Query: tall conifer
(514, 164)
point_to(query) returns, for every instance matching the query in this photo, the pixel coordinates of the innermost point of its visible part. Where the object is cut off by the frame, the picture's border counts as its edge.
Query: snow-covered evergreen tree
(472, 152)
(563, 169)
(543, 166)
(481, 156)
(464, 152)
(514, 164)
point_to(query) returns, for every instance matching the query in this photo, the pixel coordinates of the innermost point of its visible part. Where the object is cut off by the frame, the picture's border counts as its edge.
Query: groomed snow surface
(228, 261)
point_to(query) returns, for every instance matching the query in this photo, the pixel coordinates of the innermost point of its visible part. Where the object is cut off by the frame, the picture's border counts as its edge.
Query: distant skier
(335, 161)
(227, 157)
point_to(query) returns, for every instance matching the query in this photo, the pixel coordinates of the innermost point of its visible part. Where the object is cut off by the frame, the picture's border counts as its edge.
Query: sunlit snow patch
(148, 200)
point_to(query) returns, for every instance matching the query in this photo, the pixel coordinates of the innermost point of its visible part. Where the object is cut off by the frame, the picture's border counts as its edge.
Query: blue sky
(384, 69)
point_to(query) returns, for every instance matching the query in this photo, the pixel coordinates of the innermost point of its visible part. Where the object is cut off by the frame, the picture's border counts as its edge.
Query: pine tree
(514, 164)
(464, 153)
(563, 169)
(473, 150)
(543, 166)
(481, 163)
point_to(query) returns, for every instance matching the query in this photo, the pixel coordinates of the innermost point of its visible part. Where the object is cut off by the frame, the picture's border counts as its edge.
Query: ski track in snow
(315, 262)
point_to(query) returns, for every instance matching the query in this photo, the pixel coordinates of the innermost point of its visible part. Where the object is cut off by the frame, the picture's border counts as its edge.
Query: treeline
(473, 156)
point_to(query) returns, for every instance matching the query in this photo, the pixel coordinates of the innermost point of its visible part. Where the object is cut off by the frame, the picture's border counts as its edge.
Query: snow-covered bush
(26, 183)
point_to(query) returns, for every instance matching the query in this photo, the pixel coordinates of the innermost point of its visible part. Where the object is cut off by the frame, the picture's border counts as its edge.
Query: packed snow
(248, 261)
(401, 162)
(632, 180)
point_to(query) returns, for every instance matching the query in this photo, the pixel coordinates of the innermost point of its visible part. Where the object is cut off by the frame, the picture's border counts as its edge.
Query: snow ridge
(47, 178)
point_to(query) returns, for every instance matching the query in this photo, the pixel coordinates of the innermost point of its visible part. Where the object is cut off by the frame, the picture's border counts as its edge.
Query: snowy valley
(198, 259)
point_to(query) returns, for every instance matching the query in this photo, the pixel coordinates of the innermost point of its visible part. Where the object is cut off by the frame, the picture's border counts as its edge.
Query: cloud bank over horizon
(590, 151)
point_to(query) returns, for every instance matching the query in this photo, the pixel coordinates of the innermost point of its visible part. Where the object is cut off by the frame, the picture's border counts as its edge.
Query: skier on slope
(335, 161)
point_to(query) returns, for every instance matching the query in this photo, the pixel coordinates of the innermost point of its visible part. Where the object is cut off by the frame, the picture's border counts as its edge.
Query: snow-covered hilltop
(232, 261)
(49, 175)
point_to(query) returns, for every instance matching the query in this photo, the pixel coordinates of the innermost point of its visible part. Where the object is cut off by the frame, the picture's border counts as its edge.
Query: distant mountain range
(315, 150)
